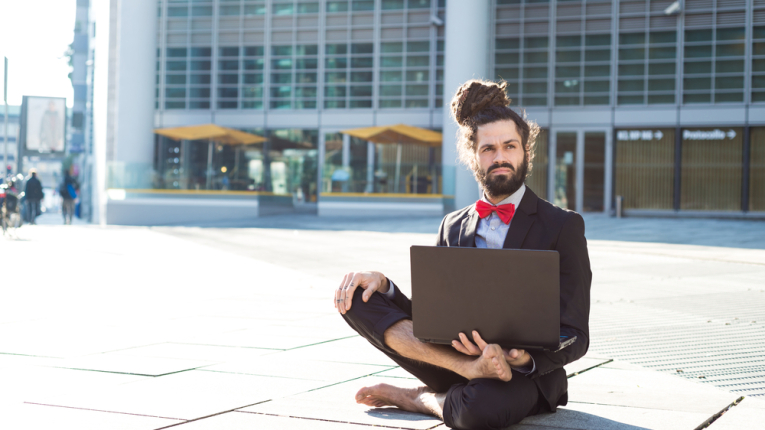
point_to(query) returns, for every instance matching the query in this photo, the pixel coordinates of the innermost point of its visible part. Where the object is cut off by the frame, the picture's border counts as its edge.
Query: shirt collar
(514, 198)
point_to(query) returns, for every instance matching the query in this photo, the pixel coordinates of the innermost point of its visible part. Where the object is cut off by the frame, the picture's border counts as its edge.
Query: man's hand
(369, 281)
(514, 357)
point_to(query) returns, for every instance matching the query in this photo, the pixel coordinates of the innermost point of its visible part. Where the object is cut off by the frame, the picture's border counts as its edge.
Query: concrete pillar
(346, 153)
(466, 56)
(370, 188)
(133, 76)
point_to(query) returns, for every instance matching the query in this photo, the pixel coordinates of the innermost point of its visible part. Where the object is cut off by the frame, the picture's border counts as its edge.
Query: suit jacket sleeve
(575, 280)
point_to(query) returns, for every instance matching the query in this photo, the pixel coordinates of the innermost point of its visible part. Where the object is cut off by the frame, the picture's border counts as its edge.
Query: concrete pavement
(227, 327)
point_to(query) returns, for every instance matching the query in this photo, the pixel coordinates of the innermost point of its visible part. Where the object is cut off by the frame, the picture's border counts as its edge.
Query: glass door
(594, 171)
(580, 166)
(565, 170)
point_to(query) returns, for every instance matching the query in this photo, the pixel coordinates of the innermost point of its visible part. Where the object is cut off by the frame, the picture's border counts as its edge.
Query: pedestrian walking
(33, 193)
(68, 191)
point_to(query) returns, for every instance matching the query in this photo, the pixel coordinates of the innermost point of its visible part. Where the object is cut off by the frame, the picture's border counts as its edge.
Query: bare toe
(498, 361)
(364, 394)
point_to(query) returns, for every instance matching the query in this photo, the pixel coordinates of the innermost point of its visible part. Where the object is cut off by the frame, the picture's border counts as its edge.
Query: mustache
(497, 166)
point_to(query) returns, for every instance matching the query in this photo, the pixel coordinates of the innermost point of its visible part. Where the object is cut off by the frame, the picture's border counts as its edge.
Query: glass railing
(279, 179)
(386, 178)
(291, 175)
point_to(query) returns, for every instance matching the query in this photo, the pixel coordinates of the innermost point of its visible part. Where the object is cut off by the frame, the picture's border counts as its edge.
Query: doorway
(580, 169)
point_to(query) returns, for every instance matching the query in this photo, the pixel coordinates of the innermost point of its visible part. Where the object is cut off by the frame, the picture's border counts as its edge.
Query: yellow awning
(212, 132)
(400, 133)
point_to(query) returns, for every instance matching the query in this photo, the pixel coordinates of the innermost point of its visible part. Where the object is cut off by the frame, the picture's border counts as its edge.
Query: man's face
(502, 163)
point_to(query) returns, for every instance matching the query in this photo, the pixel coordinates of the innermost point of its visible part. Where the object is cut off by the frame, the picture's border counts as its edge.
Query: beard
(503, 185)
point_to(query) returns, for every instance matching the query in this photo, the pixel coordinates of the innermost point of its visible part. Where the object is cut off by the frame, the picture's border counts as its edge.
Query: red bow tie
(505, 212)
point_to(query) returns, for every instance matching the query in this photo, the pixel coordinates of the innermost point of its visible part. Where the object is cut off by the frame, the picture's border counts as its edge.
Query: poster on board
(45, 124)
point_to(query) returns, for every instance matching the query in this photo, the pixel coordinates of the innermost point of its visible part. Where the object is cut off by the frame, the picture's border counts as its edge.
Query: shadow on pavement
(564, 419)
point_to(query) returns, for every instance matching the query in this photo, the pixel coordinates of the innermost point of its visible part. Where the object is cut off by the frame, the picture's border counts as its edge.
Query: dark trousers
(33, 210)
(474, 404)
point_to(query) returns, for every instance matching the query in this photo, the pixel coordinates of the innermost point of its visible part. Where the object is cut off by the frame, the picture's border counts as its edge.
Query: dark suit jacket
(33, 189)
(538, 224)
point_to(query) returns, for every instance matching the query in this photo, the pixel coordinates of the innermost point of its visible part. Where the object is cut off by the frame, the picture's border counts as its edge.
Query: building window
(582, 69)
(647, 63)
(348, 75)
(405, 74)
(294, 76)
(758, 64)
(187, 78)
(362, 5)
(251, 83)
(714, 65)
(523, 60)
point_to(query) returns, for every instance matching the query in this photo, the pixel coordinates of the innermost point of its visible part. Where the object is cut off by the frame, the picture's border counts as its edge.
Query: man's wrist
(524, 361)
(528, 368)
(384, 284)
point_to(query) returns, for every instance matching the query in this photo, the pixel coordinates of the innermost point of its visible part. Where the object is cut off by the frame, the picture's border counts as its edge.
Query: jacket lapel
(468, 228)
(522, 220)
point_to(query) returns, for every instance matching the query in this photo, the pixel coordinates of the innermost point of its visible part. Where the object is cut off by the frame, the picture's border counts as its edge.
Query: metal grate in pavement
(716, 339)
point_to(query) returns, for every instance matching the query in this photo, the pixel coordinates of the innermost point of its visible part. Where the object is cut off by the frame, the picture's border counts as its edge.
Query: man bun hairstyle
(479, 102)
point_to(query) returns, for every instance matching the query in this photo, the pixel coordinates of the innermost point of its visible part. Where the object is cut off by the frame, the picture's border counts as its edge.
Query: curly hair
(479, 102)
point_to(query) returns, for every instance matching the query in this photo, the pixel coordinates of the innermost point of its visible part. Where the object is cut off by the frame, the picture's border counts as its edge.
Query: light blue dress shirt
(491, 232)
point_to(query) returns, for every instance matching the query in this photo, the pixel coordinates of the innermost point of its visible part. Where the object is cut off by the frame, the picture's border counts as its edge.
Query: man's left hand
(514, 357)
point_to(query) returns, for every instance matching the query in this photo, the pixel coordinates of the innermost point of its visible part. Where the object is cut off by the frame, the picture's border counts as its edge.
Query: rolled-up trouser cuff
(385, 324)
(373, 318)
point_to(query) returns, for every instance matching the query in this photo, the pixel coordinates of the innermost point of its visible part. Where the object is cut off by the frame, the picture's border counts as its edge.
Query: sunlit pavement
(232, 326)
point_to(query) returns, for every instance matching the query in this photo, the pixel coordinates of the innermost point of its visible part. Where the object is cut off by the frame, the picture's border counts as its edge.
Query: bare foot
(408, 399)
(490, 364)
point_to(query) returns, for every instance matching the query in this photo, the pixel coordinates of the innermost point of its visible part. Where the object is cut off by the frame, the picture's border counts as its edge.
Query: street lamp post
(5, 99)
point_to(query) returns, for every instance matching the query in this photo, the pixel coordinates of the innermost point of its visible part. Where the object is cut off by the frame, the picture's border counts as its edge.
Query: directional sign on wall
(715, 134)
(639, 135)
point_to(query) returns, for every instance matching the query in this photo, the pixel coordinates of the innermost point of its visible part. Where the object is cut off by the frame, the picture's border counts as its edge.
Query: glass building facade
(244, 54)
(666, 111)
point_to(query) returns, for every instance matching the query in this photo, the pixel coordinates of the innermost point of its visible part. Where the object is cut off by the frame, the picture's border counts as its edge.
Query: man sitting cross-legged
(480, 385)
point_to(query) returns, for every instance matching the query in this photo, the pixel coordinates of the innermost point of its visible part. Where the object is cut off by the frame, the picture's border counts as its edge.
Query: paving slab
(647, 389)
(201, 324)
(337, 329)
(36, 417)
(353, 350)
(134, 365)
(396, 372)
(14, 360)
(584, 416)
(218, 354)
(332, 321)
(248, 421)
(185, 395)
(297, 368)
(622, 365)
(584, 364)
(336, 403)
(61, 340)
(255, 339)
(748, 414)
(27, 383)
(239, 311)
